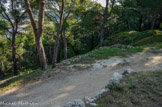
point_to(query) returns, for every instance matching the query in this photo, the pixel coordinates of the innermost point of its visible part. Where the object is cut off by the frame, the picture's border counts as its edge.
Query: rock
(101, 92)
(89, 99)
(126, 61)
(101, 48)
(75, 103)
(121, 46)
(66, 62)
(128, 71)
(115, 79)
(93, 104)
(57, 106)
(104, 66)
(117, 76)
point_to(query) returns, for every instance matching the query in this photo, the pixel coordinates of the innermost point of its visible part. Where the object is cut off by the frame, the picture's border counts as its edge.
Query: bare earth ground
(75, 81)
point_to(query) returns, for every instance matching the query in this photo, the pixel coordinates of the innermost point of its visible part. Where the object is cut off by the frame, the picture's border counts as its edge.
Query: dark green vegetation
(28, 43)
(142, 89)
(106, 53)
(135, 38)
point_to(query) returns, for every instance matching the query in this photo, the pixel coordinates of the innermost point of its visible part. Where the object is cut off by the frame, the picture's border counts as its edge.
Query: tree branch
(31, 16)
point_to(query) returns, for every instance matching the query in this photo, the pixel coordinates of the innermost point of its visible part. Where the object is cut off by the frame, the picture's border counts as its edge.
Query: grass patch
(20, 80)
(135, 38)
(109, 52)
(142, 89)
(100, 54)
(156, 45)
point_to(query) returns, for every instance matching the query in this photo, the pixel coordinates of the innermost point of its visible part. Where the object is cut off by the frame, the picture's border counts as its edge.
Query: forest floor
(75, 81)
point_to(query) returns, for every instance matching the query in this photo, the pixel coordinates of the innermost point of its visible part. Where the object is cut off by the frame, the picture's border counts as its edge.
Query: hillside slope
(75, 81)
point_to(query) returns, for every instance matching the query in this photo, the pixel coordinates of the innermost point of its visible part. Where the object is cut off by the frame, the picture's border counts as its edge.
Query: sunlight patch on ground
(155, 60)
(10, 91)
(68, 88)
(15, 87)
(61, 96)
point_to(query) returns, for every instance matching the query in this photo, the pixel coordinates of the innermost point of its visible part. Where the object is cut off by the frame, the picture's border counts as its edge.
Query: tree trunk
(41, 53)
(14, 55)
(102, 36)
(2, 75)
(140, 24)
(38, 31)
(128, 24)
(153, 21)
(65, 44)
(92, 42)
(103, 24)
(54, 60)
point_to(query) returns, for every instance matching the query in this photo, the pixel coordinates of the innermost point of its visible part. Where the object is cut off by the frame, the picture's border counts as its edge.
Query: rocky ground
(75, 81)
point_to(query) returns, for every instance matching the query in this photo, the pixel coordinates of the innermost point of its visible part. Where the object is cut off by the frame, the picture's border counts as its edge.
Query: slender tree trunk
(50, 53)
(14, 55)
(92, 42)
(128, 24)
(102, 31)
(102, 36)
(153, 20)
(54, 60)
(65, 44)
(140, 24)
(2, 75)
(38, 31)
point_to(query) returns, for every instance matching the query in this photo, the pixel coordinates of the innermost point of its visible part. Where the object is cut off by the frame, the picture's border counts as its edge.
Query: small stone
(75, 103)
(117, 76)
(89, 99)
(93, 104)
(104, 66)
(115, 79)
(128, 71)
(126, 61)
(101, 92)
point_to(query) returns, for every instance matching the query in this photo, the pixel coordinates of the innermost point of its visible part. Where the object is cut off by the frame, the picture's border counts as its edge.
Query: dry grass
(19, 81)
(142, 89)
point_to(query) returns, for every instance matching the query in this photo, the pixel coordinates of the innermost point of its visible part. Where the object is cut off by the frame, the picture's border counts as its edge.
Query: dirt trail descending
(88, 80)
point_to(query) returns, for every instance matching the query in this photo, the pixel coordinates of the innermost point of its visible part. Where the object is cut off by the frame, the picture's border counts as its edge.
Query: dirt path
(76, 85)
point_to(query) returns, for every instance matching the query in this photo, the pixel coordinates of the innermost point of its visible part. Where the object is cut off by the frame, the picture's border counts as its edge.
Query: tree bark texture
(65, 44)
(103, 24)
(55, 53)
(38, 31)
